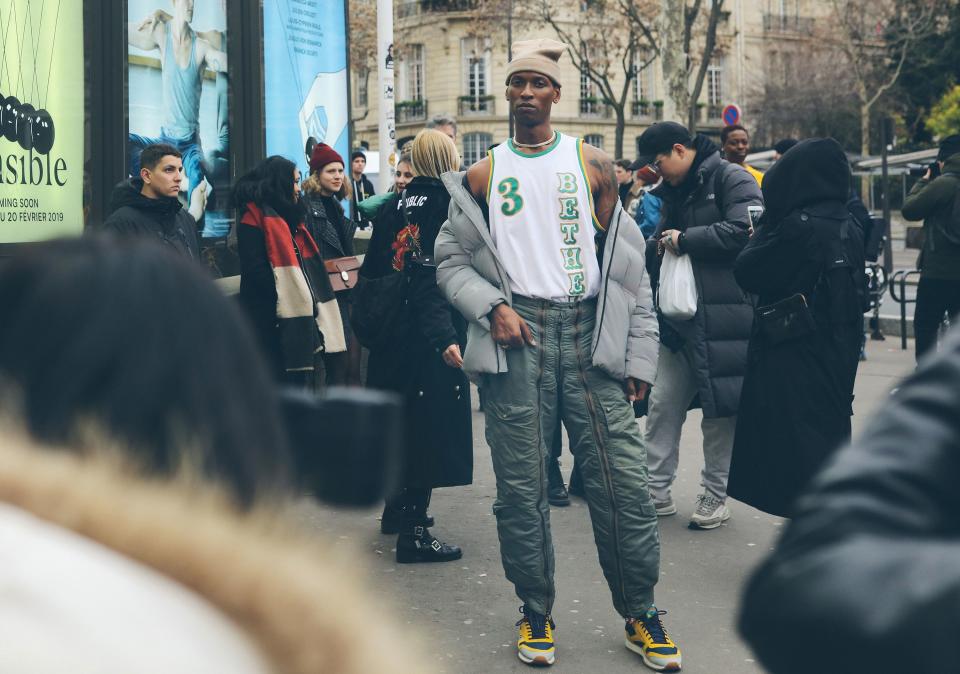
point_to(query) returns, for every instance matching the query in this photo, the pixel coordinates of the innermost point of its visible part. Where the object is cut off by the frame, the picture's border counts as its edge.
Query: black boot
(556, 491)
(417, 544)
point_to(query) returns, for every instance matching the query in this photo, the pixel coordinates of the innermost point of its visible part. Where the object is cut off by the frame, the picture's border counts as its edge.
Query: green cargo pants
(521, 408)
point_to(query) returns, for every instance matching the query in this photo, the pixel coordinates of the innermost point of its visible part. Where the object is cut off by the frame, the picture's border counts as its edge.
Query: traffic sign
(731, 115)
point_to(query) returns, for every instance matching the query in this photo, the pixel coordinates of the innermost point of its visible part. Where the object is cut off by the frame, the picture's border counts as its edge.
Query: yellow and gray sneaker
(535, 643)
(646, 636)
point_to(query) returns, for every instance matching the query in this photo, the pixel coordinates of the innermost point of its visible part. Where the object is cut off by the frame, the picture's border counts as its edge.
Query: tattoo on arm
(606, 188)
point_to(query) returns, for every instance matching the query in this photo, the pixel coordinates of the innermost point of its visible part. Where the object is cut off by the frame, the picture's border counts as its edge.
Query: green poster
(41, 119)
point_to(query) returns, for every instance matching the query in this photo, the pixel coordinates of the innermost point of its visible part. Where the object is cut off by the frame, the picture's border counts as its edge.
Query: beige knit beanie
(539, 56)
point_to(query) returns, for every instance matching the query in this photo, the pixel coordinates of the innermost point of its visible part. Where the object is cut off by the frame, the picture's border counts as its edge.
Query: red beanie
(322, 155)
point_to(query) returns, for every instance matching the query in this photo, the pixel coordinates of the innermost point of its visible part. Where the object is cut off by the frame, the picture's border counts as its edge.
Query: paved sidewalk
(467, 610)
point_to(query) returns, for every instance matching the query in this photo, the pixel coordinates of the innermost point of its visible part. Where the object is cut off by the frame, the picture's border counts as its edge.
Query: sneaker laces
(707, 504)
(651, 623)
(536, 621)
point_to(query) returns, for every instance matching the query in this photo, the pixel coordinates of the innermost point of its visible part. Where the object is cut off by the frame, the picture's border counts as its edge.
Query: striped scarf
(305, 299)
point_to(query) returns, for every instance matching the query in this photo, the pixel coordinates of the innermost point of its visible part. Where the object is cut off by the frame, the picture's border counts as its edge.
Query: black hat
(659, 138)
(782, 146)
(949, 146)
(357, 153)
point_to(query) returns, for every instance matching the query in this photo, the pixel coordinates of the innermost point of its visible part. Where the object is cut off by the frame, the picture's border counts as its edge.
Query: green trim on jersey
(583, 170)
(490, 177)
(542, 152)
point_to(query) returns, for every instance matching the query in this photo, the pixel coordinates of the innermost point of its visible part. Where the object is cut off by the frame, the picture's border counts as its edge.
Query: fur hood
(302, 608)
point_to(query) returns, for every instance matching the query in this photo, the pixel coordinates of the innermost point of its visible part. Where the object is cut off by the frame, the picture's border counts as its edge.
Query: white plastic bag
(677, 294)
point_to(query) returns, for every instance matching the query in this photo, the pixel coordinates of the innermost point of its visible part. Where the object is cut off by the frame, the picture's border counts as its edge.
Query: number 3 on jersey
(508, 188)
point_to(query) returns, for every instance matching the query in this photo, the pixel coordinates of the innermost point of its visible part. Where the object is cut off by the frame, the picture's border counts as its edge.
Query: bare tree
(680, 27)
(806, 95)
(610, 42)
(875, 37)
(363, 48)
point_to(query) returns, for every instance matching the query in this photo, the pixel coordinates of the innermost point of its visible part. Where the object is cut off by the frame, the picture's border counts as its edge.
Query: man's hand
(153, 20)
(636, 389)
(670, 238)
(451, 356)
(508, 329)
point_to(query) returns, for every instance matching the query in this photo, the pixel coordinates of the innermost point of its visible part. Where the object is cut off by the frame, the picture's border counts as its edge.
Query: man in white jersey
(540, 257)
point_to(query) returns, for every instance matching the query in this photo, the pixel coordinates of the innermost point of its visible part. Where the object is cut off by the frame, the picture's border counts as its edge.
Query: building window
(475, 147)
(476, 76)
(643, 86)
(715, 82)
(411, 85)
(594, 139)
(363, 87)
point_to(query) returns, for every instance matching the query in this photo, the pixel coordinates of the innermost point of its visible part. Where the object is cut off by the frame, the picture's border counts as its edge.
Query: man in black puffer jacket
(149, 207)
(708, 204)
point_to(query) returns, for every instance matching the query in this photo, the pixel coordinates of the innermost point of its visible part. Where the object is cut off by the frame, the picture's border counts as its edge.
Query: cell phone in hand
(934, 169)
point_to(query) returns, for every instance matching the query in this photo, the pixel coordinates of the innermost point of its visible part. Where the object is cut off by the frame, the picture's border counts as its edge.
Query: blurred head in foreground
(136, 346)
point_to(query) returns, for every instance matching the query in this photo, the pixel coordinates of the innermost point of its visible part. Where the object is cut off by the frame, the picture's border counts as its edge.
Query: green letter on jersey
(577, 284)
(568, 208)
(570, 230)
(568, 183)
(512, 201)
(571, 258)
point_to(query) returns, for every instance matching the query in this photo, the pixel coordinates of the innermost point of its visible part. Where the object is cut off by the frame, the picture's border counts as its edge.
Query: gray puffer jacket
(471, 274)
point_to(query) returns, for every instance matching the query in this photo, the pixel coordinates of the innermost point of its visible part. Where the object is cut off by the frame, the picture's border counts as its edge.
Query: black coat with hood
(439, 431)
(871, 559)
(797, 395)
(135, 215)
(711, 209)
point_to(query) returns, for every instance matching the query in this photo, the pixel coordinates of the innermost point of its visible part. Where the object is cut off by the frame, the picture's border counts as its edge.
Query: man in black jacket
(708, 205)
(935, 199)
(149, 206)
(360, 187)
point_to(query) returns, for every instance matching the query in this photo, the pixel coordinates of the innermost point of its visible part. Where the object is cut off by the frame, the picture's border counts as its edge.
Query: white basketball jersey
(542, 220)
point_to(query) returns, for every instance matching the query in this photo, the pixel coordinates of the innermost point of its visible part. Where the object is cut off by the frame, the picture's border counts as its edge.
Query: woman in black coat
(797, 394)
(424, 363)
(333, 231)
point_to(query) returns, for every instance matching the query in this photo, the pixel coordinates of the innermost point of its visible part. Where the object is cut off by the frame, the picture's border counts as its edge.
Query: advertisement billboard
(305, 77)
(179, 93)
(41, 119)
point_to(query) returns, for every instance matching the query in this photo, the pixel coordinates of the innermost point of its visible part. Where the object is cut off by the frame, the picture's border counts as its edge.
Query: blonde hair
(433, 154)
(312, 187)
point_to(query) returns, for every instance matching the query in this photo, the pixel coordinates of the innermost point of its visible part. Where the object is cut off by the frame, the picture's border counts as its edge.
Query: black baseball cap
(659, 138)
(949, 146)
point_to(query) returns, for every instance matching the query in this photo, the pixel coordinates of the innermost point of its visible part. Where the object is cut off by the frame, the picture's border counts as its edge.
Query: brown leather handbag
(343, 272)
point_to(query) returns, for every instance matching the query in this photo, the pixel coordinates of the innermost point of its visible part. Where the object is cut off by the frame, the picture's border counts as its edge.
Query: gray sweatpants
(521, 408)
(673, 391)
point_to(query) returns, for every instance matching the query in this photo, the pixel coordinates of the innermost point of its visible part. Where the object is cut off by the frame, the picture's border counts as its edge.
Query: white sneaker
(710, 512)
(665, 508)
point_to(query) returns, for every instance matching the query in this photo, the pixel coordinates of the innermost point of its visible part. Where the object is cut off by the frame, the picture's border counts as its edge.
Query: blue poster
(178, 94)
(305, 77)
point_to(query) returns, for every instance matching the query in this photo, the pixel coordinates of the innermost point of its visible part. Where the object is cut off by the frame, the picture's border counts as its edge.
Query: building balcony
(411, 111)
(641, 109)
(476, 106)
(778, 23)
(592, 107)
(407, 8)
